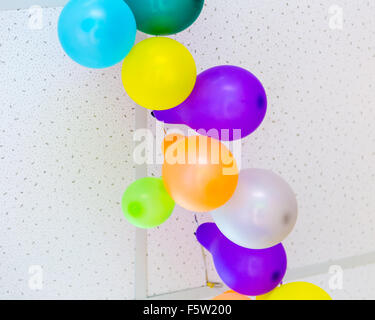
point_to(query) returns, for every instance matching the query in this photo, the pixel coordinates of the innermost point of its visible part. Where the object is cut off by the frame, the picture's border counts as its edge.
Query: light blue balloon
(97, 33)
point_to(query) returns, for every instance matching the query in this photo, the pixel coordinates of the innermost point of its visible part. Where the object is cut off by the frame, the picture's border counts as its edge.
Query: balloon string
(208, 283)
(204, 256)
(196, 219)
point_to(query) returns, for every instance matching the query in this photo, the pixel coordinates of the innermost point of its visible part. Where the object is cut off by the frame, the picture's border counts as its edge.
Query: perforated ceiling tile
(318, 132)
(65, 156)
(66, 145)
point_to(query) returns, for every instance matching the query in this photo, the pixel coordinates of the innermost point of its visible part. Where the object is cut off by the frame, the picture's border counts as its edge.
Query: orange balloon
(170, 139)
(199, 172)
(231, 295)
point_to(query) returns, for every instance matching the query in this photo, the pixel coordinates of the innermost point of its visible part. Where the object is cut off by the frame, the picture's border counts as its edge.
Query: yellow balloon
(159, 73)
(296, 291)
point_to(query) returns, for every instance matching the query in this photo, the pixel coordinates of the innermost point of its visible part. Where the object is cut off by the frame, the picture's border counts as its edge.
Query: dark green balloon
(165, 17)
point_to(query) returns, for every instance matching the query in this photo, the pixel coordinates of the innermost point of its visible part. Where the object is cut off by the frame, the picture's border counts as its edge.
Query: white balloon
(261, 213)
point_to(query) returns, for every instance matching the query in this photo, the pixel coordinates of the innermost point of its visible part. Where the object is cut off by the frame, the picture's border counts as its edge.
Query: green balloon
(165, 17)
(146, 203)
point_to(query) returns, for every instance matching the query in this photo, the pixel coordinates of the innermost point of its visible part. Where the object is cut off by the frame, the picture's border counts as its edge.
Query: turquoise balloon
(97, 33)
(165, 17)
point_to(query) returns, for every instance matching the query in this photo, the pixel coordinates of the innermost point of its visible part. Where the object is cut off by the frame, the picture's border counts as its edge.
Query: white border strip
(201, 293)
(141, 269)
(323, 268)
(140, 234)
(204, 293)
(26, 4)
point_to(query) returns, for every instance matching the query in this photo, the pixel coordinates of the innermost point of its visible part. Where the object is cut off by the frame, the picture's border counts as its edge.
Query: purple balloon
(247, 271)
(227, 103)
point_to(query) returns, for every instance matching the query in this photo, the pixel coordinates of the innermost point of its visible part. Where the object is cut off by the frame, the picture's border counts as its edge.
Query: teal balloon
(97, 33)
(165, 17)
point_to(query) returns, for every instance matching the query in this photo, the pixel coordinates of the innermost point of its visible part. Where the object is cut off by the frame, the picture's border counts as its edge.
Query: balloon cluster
(253, 209)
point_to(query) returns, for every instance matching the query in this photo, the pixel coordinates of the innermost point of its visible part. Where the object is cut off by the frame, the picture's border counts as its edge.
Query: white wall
(66, 144)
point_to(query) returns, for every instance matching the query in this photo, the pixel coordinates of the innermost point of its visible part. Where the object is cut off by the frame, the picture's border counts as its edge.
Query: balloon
(227, 103)
(159, 73)
(231, 295)
(261, 213)
(199, 173)
(165, 17)
(170, 139)
(97, 33)
(247, 271)
(297, 291)
(146, 203)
